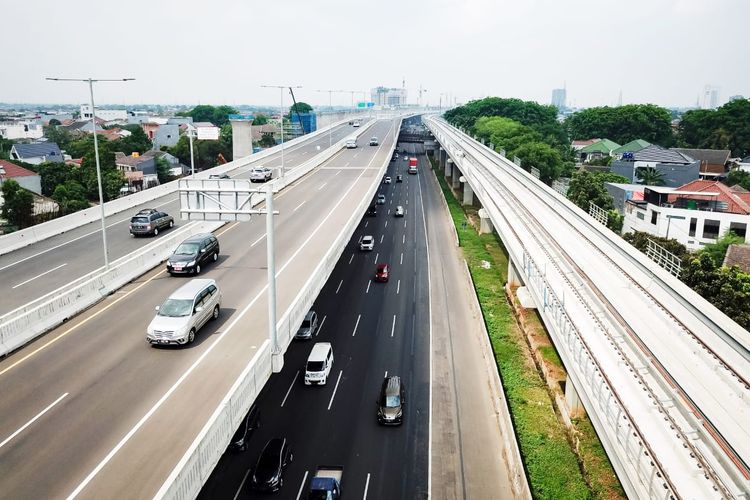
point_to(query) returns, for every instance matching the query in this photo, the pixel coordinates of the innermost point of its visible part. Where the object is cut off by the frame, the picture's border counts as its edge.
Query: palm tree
(649, 176)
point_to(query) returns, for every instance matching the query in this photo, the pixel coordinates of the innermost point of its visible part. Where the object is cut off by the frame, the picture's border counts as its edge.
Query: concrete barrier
(39, 232)
(196, 465)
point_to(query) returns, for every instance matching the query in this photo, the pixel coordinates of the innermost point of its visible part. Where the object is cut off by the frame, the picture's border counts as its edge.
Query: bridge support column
(456, 178)
(443, 157)
(485, 224)
(242, 138)
(468, 194)
(572, 400)
(514, 278)
(448, 168)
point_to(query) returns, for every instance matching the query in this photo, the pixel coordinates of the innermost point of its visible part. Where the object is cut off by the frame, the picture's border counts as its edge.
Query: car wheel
(191, 336)
(156, 231)
(197, 269)
(171, 223)
(215, 315)
(216, 256)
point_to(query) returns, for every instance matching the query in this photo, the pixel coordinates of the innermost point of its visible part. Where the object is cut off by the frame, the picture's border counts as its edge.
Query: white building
(383, 96)
(108, 115)
(26, 129)
(207, 131)
(696, 214)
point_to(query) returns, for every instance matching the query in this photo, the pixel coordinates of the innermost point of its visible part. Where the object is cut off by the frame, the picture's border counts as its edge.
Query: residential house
(738, 255)
(26, 178)
(176, 168)
(599, 149)
(25, 129)
(36, 152)
(622, 193)
(108, 115)
(207, 131)
(695, 214)
(744, 164)
(579, 144)
(714, 163)
(676, 168)
(140, 171)
(259, 131)
(631, 147)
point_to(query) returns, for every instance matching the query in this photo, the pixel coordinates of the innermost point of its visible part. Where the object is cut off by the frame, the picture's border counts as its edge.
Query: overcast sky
(221, 51)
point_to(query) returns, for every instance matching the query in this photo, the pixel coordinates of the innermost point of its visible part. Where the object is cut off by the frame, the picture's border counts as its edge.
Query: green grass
(550, 354)
(550, 462)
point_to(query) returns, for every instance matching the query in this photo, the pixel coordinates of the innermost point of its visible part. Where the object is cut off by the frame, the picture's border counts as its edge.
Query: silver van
(319, 364)
(185, 311)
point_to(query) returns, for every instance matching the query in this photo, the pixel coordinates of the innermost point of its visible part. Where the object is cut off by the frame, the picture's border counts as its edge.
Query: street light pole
(330, 106)
(91, 81)
(281, 115)
(191, 130)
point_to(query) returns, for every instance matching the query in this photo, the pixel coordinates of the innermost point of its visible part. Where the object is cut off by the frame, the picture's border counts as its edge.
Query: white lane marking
(376, 257)
(403, 239)
(337, 173)
(39, 275)
(242, 483)
(359, 316)
(386, 374)
(321, 326)
(38, 415)
(389, 211)
(347, 164)
(367, 484)
(393, 325)
(368, 286)
(407, 201)
(386, 222)
(381, 238)
(78, 238)
(404, 222)
(339, 287)
(301, 486)
(322, 186)
(355, 155)
(351, 258)
(367, 222)
(298, 207)
(334, 389)
(401, 261)
(398, 286)
(290, 388)
(258, 240)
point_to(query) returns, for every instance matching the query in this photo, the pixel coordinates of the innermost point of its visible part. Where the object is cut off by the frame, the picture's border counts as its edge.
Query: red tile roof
(738, 202)
(13, 170)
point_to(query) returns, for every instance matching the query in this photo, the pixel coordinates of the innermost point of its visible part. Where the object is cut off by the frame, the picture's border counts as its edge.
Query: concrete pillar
(443, 157)
(514, 278)
(575, 407)
(448, 168)
(485, 224)
(242, 138)
(468, 194)
(456, 178)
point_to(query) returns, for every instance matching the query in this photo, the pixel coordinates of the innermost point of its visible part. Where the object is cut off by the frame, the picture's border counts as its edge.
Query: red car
(381, 274)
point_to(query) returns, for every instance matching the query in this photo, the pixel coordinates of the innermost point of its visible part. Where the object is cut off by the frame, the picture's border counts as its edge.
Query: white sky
(221, 51)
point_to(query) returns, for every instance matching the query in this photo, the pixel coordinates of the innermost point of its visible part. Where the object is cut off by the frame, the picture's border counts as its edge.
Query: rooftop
(38, 150)
(654, 153)
(738, 255)
(12, 170)
(632, 146)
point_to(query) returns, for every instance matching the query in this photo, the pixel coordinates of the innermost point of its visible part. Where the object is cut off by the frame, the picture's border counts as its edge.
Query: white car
(351, 144)
(387, 180)
(374, 141)
(367, 243)
(260, 174)
(180, 317)
(399, 211)
(355, 124)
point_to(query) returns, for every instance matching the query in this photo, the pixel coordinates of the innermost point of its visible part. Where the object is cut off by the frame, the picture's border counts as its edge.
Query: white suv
(260, 174)
(351, 144)
(185, 311)
(367, 243)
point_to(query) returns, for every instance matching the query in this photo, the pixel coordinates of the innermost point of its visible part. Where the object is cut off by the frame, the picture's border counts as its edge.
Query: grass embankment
(551, 463)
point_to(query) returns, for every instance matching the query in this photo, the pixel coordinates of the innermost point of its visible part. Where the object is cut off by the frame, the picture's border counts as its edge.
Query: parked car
(219, 176)
(391, 401)
(308, 327)
(150, 221)
(381, 273)
(245, 430)
(381, 199)
(387, 180)
(399, 178)
(399, 211)
(192, 254)
(269, 470)
(351, 144)
(260, 174)
(373, 141)
(186, 310)
(367, 243)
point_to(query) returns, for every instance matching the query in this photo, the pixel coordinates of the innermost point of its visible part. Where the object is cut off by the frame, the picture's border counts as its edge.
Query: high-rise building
(383, 96)
(558, 98)
(710, 97)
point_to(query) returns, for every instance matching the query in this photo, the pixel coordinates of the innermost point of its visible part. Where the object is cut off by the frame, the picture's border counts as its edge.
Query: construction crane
(299, 117)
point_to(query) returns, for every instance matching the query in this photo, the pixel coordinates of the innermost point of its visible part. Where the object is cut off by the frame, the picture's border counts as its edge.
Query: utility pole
(281, 115)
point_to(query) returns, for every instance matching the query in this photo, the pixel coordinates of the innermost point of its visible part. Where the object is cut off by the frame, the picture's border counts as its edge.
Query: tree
(217, 115)
(727, 127)
(71, 197)
(163, 171)
(53, 174)
(18, 204)
(740, 177)
(136, 141)
(588, 187)
(623, 124)
(542, 156)
(260, 119)
(267, 141)
(5, 145)
(639, 240)
(54, 122)
(717, 251)
(58, 135)
(300, 107)
(649, 176)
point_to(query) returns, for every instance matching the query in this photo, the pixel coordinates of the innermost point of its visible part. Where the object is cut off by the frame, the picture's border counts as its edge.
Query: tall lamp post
(281, 115)
(330, 106)
(91, 81)
(191, 131)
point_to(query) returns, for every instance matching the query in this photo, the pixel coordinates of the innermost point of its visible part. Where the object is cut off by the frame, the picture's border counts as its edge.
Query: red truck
(412, 166)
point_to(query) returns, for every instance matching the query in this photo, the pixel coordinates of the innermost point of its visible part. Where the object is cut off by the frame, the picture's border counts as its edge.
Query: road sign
(361, 104)
(219, 199)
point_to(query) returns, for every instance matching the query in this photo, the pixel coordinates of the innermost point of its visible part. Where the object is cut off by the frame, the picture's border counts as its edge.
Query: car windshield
(269, 461)
(392, 401)
(306, 323)
(139, 220)
(315, 366)
(175, 308)
(187, 249)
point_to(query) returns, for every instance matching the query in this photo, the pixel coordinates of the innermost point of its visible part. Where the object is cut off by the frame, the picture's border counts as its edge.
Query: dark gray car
(391, 401)
(150, 222)
(245, 430)
(193, 254)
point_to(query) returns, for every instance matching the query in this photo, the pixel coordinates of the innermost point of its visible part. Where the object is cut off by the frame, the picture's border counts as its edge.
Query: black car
(150, 221)
(372, 211)
(399, 178)
(193, 253)
(268, 472)
(391, 401)
(245, 430)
